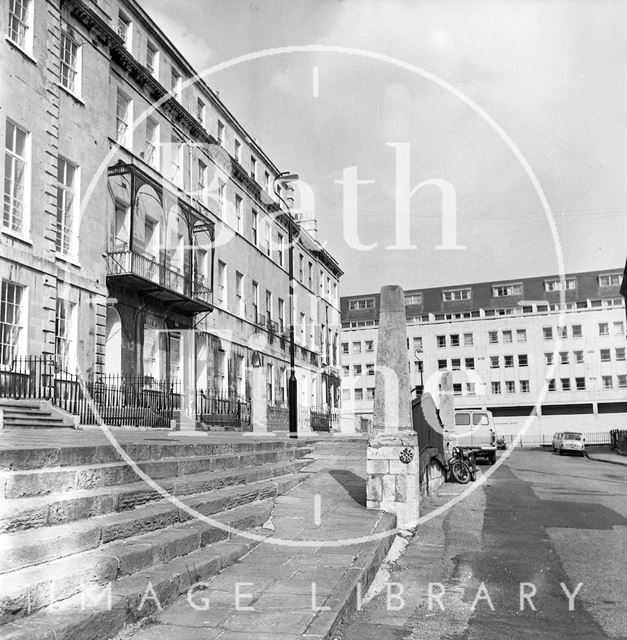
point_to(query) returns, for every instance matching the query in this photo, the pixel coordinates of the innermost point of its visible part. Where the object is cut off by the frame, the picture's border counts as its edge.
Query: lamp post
(286, 178)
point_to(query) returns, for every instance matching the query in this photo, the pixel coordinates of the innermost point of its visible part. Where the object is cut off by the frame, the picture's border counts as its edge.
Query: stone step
(17, 458)
(19, 404)
(15, 412)
(132, 597)
(40, 422)
(26, 591)
(23, 415)
(29, 483)
(42, 511)
(28, 548)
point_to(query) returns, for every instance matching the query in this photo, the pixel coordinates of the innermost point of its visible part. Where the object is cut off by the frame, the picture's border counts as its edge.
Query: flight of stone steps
(31, 414)
(75, 521)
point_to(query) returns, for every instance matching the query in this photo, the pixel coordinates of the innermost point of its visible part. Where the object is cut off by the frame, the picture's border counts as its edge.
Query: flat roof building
(506, 347)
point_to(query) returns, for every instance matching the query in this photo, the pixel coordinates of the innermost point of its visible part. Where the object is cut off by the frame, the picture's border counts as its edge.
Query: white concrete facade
(503, 362)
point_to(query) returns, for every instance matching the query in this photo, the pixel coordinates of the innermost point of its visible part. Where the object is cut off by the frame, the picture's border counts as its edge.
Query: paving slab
(300, 581)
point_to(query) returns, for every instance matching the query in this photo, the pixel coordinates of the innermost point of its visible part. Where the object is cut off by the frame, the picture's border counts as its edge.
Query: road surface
(545, 533)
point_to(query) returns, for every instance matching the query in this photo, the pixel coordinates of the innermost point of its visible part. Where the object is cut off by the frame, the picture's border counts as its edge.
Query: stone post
(258, 344)
(258, 406)
(186, 416)
(392, 464)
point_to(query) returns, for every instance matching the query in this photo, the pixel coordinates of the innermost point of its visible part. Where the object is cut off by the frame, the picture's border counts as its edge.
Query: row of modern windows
(607, 382)
(506, 361)
(468, 388)
(608, 303)
(498, 291)
(618, 329)
(506, 336)
(508, 387)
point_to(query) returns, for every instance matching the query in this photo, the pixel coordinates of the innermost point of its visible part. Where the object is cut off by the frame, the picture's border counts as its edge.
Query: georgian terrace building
(500, 340)
(137, 208)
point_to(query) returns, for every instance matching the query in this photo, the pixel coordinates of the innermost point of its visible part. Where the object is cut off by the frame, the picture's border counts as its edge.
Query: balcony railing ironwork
(172, 284)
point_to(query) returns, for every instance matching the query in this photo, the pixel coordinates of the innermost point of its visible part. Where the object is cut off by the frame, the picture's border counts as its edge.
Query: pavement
(545, 522)
(605, 454)
(96, 436)
(304, 577)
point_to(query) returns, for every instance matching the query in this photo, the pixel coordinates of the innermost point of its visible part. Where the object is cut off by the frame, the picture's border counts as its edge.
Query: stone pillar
(186, 416)
(392, 465)
(258, 344)
(258, 406)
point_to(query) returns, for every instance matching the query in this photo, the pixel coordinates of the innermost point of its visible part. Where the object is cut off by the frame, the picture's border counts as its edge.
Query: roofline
(493, 282)
(185, 65)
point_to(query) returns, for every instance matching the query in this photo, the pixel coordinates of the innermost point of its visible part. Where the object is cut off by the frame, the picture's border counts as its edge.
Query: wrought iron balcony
(167, 284)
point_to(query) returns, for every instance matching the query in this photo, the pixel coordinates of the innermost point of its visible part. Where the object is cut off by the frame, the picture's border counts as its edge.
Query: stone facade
(171, 222)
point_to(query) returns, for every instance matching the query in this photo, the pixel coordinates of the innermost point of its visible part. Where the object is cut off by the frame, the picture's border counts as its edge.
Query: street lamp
(285, 179)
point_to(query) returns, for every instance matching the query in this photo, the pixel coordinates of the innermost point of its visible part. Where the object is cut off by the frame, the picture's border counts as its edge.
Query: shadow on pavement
(355, 485)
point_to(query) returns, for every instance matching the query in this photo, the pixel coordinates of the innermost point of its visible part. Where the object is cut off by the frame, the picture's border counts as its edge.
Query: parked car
(557, 439)
(474, 429)
(572, 442)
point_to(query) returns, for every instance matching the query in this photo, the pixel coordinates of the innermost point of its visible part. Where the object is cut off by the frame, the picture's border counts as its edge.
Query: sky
(550, 75)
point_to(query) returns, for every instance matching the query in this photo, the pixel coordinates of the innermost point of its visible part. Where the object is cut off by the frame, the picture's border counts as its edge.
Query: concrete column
(392, 465)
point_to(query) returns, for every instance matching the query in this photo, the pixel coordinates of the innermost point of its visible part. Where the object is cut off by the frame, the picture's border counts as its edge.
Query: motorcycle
(462, 467)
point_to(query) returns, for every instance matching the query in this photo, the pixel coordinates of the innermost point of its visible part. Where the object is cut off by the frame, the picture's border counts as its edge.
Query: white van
(474, 429)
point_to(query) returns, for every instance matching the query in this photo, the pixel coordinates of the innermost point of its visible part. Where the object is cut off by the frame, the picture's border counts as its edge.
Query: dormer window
(152, 59)
(176, 84)
(413, 299)
(558, 285)
(221, 133)
(363, 303)
(125, 30)
(200, 111)
(456, 294)
(504, 290)
(609, 280)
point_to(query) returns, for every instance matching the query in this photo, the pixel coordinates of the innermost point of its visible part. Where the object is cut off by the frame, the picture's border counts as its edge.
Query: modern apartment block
(507, 348)
(137, 208)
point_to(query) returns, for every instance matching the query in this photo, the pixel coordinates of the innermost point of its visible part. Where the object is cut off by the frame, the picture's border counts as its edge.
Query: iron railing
(316, 418)
(116, 399)
(546, 440)
(223, 409)
(148, 268)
